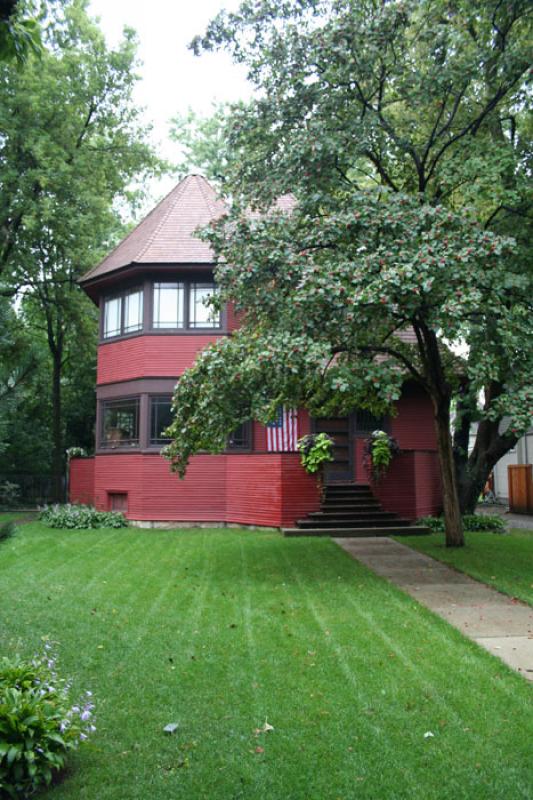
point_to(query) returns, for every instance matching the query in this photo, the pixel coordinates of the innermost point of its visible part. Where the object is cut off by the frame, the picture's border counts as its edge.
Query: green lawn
(221, 630)
(504, 561)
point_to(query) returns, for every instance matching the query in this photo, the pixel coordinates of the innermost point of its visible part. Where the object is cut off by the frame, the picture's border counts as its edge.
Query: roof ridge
(203, 184)
(178, 191)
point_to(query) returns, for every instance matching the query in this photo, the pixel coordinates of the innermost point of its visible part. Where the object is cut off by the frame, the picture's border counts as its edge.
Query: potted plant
(316, 449)
(380, 450)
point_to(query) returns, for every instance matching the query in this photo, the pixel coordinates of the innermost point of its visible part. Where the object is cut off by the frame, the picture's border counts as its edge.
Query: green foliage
(202, 142)
(379, 451)
(81, 517)
(7, 530)
(39, 723)
(19, 36)
(316, 449)
(471, 522)
(357, 101)
(73, 140)
(76, 452)
(9, 494)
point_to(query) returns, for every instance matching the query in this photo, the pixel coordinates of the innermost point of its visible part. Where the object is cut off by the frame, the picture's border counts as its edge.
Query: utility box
(520, 488)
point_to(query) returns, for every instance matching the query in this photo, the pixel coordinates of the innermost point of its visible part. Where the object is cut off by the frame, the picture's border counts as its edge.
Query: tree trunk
(57, 435)
(452, 512)
(472, 476)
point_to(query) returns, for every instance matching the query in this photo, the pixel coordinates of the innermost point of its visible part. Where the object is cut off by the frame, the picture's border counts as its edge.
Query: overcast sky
(172, 78)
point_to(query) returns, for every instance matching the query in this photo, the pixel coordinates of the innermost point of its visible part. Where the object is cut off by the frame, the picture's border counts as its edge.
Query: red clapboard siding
(155, 493)
(414, 426)
(254, 489)
(428, 484)
(149, 356)
(411, 487)
(81, 481)
(233, 318)
(397, 491)
(300, 493)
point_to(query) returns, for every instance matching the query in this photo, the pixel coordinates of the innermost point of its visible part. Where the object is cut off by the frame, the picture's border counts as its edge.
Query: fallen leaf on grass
(172, 727)
(259, 749)
(264, 729)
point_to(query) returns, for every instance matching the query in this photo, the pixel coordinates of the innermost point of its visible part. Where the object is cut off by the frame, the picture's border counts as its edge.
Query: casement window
(169, 305)
(200, 314)
(183, 305)
(241, 438)
(120, 423)
(123, 313)
(160, 418)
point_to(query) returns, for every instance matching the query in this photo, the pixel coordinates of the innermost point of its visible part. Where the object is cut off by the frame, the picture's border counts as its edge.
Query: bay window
(123, 313)
(120, 423)
(169, 305)
(160, 419)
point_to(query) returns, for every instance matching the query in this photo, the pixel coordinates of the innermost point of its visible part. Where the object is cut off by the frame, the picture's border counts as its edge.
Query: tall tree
(72, 143)
(423, 98)
(20, 34)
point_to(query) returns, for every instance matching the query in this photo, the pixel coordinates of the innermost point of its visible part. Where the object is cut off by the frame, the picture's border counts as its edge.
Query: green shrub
(81, 517)
(483, 522)
(9, 494)
(315, 450)
(39, 723)
(7, 530)
(471, 522)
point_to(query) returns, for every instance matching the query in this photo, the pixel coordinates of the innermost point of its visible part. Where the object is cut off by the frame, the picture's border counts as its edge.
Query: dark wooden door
(339, 428)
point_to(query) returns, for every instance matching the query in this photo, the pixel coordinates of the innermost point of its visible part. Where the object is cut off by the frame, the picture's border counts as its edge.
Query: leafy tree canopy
(401, 129)
(20, 34)
(72, 143)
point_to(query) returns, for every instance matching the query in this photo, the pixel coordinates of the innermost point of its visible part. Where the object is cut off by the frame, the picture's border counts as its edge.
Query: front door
(339, 428)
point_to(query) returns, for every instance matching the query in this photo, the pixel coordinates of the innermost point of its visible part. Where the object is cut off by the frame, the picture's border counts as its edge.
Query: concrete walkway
(501, 625)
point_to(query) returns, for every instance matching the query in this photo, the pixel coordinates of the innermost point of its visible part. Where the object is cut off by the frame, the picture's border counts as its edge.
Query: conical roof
(166, 235)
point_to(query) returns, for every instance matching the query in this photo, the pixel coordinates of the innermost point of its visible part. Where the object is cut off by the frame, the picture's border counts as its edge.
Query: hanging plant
(379, 451)
(316, 449)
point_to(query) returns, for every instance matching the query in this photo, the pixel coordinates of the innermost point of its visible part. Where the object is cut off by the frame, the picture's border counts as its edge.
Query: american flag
(282, 433)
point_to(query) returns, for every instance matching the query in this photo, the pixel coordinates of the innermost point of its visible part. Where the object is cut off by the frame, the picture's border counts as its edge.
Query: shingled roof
(165, 236)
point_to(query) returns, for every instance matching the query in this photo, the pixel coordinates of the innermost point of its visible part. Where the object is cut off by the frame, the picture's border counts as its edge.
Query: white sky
(172, 78)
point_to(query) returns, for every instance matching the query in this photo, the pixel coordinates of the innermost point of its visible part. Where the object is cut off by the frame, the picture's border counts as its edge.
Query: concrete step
(351, 513)
(369, 522)
(343, 533)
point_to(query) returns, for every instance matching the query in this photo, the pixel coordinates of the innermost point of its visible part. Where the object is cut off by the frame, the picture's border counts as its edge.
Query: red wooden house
(153, 321)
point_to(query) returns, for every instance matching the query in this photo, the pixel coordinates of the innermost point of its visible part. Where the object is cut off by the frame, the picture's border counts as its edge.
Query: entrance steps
(349, 510)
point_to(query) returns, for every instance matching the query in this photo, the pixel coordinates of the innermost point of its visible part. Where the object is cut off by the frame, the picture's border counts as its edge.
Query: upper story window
(123, 313)
(169, 305)
(183, 304)
(202, 315)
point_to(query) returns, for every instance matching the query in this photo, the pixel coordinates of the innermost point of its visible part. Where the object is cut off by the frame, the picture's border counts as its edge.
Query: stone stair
(352, 510)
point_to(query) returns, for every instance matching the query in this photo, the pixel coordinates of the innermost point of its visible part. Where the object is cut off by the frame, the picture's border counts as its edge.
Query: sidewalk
(501, 625)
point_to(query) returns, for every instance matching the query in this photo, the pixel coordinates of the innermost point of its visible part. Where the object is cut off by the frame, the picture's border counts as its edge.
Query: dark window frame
(156, 442)
(119, 444)
(187, 328)
(121, 295)
(246, 444)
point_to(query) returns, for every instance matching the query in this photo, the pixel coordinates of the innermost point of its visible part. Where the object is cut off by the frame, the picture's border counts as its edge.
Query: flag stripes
(282, 433)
